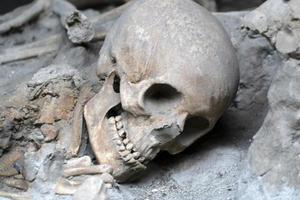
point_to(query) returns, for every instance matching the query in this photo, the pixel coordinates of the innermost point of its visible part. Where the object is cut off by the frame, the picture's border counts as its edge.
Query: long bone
(28, 14)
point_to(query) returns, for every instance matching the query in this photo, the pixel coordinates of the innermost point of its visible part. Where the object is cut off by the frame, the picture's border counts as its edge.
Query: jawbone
(108, 137)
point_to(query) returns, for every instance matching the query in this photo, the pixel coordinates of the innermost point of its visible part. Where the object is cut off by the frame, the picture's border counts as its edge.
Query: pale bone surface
(169, 78)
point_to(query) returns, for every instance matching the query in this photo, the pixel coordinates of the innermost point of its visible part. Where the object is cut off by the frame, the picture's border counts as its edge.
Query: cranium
(171, 72)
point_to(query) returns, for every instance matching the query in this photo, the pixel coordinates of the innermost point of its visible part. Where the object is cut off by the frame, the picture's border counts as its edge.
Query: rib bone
(96, 169)
(37, 7)
(31, 50)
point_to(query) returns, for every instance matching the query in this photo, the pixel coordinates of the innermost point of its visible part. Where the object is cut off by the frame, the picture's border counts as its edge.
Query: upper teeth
(125, 148)
(118, 118)
(122, 133)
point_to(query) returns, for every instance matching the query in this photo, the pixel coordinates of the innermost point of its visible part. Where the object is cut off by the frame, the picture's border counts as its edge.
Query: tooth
(112, 120)
(125, 141)
(121, 148)
(119, 125)
(136, 155)
(124, 153)
(129, 146)
(127, 158)
(131, 161)
(141, 159)
(118, 118)
(121, 133)
(119, 142)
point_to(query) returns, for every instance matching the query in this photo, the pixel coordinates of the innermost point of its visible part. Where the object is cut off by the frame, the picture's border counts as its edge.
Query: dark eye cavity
(161, 97)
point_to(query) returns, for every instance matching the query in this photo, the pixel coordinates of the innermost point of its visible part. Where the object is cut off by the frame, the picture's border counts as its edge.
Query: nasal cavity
(194, 128)
(116, 84)
(195, 124)
(161, 97)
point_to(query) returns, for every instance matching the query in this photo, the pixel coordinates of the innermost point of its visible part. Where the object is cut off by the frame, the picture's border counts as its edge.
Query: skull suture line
(171, 71)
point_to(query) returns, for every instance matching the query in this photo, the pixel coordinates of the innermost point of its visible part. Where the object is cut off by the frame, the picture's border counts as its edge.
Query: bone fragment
(28, 14)
(107, 178)
(78, 26)
(101, 24)
(86, 94)
(31, 50)
(96, 169)
(15, 196)
(66, 187)
(84, 161)
(92, 188)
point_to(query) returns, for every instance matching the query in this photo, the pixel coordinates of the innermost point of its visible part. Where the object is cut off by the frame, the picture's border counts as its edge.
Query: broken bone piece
(31, 50)
(78, 26)
(66, 187)
(107, 178)
(33, 11)
(95, 169)
(92, 188)
(84, 161)
(171, 91)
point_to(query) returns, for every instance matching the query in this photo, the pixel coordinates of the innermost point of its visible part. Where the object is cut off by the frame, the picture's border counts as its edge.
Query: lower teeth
(125, 148)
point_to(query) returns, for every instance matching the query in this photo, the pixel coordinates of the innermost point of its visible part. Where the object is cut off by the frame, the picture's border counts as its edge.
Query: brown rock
(10, 163)
(49, 131)
(57, 108)
(16, 183)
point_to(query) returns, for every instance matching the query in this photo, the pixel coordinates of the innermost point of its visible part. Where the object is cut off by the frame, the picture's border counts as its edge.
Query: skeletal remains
(171, 72)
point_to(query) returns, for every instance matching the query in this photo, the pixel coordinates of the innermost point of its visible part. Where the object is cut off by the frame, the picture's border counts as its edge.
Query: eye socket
(161, 97)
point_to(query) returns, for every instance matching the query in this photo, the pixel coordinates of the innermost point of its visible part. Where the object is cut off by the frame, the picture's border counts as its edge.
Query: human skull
(171, 72)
